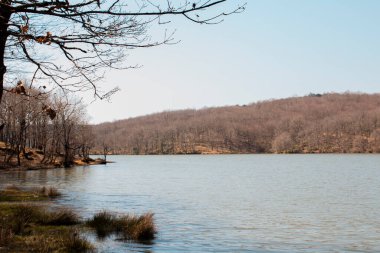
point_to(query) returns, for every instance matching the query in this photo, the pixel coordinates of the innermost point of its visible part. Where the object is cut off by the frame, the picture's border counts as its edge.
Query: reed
(103, 223)
(137, 227)
(48, 191)
(130, 227)
(61, 217)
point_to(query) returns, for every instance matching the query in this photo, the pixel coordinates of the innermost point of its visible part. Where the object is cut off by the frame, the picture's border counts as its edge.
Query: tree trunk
(105, 151)
(5, 15)
(67, 158)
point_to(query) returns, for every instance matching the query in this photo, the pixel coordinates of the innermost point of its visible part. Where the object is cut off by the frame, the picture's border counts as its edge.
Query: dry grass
(6, 236)
(131, 227)
(34, 227)
(62, 217)
(43, 243)
(67, 240)
(103, 223)
(22, 216)
(137, 227)
(50, 192)
(39, 228)
(13, 193)
(27, 227)
(73, 242)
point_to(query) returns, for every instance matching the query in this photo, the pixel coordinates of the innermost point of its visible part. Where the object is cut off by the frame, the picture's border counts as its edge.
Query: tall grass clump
(62, 217)
(49, 191)
(131, 227)
(137, 227)
(103, 223)
(23, 215)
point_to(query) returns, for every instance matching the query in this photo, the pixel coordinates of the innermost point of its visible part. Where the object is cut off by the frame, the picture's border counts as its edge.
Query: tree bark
(5, 15)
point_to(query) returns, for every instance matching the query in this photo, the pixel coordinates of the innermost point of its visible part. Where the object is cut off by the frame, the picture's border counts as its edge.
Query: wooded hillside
(316, 123)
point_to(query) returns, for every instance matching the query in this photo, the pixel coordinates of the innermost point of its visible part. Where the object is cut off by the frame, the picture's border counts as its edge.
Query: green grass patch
(38, 229)
(18, 196)
(13, 193)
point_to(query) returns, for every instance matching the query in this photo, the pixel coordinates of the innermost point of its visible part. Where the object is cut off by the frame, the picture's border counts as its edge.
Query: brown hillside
(328, 123)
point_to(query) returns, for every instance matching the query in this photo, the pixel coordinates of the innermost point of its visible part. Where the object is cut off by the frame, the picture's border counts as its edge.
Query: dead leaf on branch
(19, 89)
(49, 111)
(44, 39)
(24, 29)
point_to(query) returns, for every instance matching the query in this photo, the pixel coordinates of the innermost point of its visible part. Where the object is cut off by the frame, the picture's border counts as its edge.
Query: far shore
(241, 153)
(41, 166)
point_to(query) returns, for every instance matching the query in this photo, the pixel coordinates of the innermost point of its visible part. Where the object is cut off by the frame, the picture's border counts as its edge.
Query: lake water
(231, 203)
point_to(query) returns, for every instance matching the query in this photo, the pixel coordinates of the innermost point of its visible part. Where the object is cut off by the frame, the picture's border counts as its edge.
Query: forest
(56, 127)
(316, 123)
(42, 128)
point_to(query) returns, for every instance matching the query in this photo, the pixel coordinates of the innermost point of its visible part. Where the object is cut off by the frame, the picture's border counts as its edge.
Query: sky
(275, 49)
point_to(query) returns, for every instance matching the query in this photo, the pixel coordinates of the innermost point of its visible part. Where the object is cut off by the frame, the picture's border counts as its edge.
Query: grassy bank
(13, 193)
(29, 223)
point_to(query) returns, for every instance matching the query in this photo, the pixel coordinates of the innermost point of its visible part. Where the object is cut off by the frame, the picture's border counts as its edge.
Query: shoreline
(200, 154)
(40, 166)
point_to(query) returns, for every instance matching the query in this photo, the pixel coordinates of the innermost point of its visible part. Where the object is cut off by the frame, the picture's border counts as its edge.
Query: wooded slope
(316, 123)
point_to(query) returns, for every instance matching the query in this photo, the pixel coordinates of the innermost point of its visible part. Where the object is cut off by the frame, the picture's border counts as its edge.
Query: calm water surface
(231, 203)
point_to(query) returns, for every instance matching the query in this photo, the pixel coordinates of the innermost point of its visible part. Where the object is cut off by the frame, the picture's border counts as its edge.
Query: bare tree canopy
(317, 123)
(70, 43)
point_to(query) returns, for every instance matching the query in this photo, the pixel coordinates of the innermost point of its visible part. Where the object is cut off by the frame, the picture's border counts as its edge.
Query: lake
(231, 203)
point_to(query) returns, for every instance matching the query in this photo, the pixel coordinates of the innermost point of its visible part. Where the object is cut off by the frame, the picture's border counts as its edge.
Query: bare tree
(69, 43)
(282, 143)
(69, 117)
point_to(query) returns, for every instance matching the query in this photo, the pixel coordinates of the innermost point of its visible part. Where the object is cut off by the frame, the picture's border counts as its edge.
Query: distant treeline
(318, 123)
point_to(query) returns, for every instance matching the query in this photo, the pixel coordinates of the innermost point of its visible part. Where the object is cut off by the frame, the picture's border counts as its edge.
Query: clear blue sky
(275, 49)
